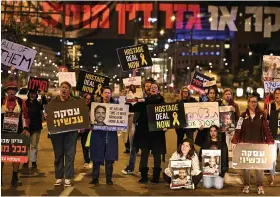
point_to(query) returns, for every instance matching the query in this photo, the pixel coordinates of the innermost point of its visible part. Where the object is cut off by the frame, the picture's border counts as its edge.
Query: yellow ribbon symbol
(175, 119)
(98, 91)
(143, 60)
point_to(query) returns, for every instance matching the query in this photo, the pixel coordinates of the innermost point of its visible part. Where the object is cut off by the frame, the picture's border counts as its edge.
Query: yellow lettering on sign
(133, 65)
(87, 89)
(163, 124)
(134, 50)
(98, 79)
(166, 108)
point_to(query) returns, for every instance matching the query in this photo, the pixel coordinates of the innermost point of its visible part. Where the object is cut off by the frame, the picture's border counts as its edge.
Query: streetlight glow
(173, 18)
(161, 32)
(250, 53)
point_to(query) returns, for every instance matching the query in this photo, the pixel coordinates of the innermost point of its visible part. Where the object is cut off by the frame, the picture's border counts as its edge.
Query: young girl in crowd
(214, 141)
(185, 151)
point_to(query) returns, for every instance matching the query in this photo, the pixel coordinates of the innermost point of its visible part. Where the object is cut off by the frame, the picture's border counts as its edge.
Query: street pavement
(40, 182)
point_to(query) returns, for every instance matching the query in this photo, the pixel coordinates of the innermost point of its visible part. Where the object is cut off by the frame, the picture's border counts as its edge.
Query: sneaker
(34, 165)
(86, 165)
(127, 172)
(58, 182)
(246, 190)
(260, 190)
(67, 183)
(90, 165)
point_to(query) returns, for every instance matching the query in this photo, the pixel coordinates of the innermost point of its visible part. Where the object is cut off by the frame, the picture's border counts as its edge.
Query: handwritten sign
(211, 162)
(205, 114)
(166, 116)
(109, 117)
(14, 147)
(274, 124)
(133, 89)
(270, 86)
(19, 56)
(134, 57)
(252, 156)
(197, 82)
(67, 116)
(181, 174)
(91, 83)
(70, 77)
(38, 84)
(271, 68)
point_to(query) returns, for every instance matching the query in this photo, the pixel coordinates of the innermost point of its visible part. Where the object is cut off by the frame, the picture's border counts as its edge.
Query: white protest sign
(270, 86)
(109, 117)
(209, 83)
(205, 114)
(239, 123)
(181, 174)
(19, 56)
(70, 77)
(270, 68)
(133, 87)
(211, 162)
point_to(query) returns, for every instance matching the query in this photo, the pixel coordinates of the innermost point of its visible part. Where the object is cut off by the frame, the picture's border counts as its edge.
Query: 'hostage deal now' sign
(134, 57)
(166, 116)
(91, 83)
(19, 56)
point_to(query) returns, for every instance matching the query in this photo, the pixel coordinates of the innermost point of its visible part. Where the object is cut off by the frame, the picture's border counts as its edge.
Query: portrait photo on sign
(181, 175)
(106, 116)
(271, 68)
(227, 119)
(211, 162)
(133, 89)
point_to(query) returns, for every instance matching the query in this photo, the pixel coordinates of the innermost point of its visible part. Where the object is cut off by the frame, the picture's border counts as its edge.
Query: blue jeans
(132, 158)
(216, 182)
(273, 170)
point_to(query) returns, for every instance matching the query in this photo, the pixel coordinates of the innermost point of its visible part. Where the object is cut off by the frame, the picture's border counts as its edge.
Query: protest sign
(109, 117)
(270, 86)
(205, 114)
(227, 119)
(38, 84)
(14, 147)
(252, 156)
(67, 116)
(19, 56)
(274, 124)
(197, 82)
(211, 162)
(271, 68)
(134, 57)
(181, 174)
(133, 89)
(91, 83)
(166, 116)
(10, 122)
(209, 83)
(70, 77)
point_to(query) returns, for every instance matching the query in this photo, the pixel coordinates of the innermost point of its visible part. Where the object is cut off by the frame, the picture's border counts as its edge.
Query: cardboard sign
(70, 77)
(134, 57)
(270, 86)
(133, 89)
(274, 124)
(14, 147)
(67, 116)
(19, 56)
(181, 174)
(166, 116)
(38, 84)
(109, 117)
(252, 156)
(209, 83)
(197, 82)
(91, 83)
(205, 114)
(271, 68)
(211, 162)
(10, 122)
(227, 119)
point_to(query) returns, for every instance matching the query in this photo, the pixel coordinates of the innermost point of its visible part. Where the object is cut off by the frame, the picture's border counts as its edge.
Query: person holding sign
(254, 129)
(64, 144)
(185, 98)
(35, 111)
(103, 144)
(148, 140)
(14, 116)
(185, 151)
(214, 141)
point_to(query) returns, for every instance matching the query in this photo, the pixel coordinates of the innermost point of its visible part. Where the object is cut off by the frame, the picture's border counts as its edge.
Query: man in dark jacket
(35, 112)
(185, 98)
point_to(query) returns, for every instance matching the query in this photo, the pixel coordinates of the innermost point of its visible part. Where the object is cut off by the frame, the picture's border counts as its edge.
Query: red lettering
(168, 9)
(105, 16)
(51, 7)
(147, 8)
(120, 8)
(180, 8)
(195, 19)
(86, 17)
(75, 9)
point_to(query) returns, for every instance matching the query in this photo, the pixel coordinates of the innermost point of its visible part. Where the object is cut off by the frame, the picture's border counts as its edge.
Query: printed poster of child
(227, 119)
(211, 162)
(181, 175)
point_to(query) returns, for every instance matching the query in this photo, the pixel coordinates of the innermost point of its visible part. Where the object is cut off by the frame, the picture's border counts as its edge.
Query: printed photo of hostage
(211, 165)
(99, 115)
(181, 178)
(227, 122)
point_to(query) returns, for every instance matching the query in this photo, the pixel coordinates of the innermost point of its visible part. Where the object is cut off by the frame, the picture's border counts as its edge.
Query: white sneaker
(260, 191)
(58, 182)
(246, 190)
(90, 165)
(67, 183)
(86, 165)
